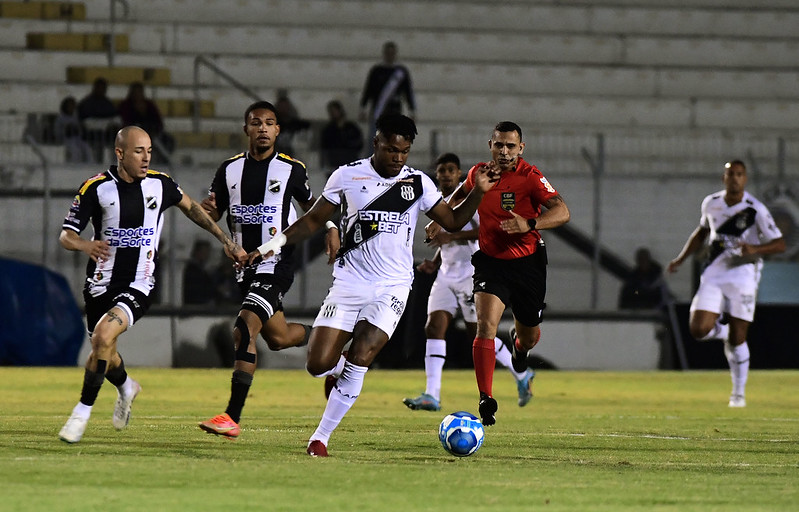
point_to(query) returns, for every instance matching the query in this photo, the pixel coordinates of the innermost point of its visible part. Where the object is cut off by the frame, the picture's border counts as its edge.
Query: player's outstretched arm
(301, 229)
(453, 219)
(200, 216)
(694, 242)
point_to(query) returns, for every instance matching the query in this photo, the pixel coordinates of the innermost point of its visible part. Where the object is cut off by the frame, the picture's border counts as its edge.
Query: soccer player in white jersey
(452, 292)
(125, 206)
(381, 199)
(741, 231)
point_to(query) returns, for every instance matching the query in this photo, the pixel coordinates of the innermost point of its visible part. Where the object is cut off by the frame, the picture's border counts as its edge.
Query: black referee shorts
(520, 283)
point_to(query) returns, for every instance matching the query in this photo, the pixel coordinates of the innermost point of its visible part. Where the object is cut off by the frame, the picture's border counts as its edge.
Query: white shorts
(737, 299)
(345, 305)
(451, 295)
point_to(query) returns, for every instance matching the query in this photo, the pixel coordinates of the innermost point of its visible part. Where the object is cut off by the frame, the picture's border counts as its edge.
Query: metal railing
(112, 36)
(203, 61)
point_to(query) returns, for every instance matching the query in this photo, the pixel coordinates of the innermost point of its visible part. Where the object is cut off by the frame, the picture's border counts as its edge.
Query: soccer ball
(461, 433)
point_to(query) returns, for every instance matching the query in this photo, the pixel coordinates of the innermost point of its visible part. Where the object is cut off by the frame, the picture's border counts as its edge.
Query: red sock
(484, 361)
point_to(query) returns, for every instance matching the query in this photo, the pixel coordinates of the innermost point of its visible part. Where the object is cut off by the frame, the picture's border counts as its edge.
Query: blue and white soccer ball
(461, 433)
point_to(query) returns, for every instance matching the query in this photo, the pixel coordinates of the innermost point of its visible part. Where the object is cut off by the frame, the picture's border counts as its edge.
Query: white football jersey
(748, 221)
(378, 221)
(456, 256)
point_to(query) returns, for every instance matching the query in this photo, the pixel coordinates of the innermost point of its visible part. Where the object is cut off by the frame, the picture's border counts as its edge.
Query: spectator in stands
(99, 118)
(198, 283)
(67, 130)
(138, 110)
(290, 122)
(643, 289)
(386, 85)
(342, 139)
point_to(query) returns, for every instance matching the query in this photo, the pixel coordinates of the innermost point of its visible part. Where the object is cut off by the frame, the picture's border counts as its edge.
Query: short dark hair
(446, 158)
(508, 126)
(735, 162)
(396, 124)
(257, 106)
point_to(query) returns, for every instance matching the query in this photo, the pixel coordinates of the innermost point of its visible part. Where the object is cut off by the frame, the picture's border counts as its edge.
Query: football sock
(92, 381)
(503, 357)
(82, 410)
(336, 370)
(239, 388)
(434, 357)
(342, 398)
(117, 376)
(738, 359)
(484, 362)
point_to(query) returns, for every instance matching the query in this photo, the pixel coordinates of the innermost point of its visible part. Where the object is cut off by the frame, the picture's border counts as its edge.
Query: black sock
(92, 382)
(239, 388)
(118, 375)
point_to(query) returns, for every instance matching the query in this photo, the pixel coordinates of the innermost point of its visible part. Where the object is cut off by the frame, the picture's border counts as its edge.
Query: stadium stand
(675, 89)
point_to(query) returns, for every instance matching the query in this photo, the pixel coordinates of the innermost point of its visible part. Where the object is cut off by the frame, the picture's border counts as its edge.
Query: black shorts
(520, 283)
(133, 302)
(263, 295)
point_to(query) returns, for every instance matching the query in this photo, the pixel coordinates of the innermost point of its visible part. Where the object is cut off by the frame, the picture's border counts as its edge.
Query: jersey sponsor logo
(382, 221)
(151, 202)
(508, 201)
(252, 213)
(129, 237)
(546, 184)
(274, 186)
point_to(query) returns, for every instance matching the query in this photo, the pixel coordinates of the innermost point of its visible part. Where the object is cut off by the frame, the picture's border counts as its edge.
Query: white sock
(126, 388)
(738, 359)
(336, 370)
(504, 358)
(718, 332)
(342, 398)
(82, 410)
(434, 357)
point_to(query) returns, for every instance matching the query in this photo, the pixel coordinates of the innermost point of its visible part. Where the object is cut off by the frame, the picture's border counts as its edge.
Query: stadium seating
(676, 89)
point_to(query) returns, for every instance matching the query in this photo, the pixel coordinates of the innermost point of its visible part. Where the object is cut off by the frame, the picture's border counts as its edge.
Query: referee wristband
(273, 245)
(330, 225)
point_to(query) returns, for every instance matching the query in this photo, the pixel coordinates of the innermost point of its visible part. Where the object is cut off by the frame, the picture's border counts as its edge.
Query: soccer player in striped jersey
(125, 207)
(381, 199)
(256, 189)
(741, 231)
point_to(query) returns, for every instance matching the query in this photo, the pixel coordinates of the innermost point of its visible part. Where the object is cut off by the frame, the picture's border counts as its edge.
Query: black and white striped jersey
(257, 198)
(748, 221)
(130, 217)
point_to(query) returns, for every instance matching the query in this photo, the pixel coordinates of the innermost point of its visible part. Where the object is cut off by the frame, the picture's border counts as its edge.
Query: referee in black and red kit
(510, 266)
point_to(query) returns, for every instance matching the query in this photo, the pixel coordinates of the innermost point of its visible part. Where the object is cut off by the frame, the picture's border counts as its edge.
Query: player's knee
(698, 330)
(102, 341)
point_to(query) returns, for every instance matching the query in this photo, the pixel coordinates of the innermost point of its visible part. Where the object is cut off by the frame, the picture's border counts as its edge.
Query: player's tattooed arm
(199, 216)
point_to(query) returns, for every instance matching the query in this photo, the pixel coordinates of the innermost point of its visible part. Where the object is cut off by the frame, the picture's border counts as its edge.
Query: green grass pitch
(587, 441)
